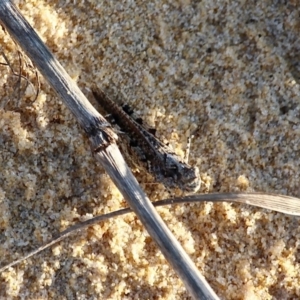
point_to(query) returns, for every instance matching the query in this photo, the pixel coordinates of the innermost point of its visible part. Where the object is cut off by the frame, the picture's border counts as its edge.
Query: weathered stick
(280, 203)
(103, 139)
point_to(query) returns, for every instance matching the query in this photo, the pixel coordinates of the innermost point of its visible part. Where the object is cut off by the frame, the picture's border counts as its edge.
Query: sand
(227, 72)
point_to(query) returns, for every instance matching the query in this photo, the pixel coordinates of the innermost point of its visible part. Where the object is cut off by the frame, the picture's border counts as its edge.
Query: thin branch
(280, 203)
(20, 76)
(103, 140)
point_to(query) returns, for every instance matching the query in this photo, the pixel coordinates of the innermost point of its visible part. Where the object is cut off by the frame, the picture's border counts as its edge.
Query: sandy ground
(228, 70)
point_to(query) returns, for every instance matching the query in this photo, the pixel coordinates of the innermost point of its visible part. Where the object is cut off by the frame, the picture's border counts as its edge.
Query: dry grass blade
(280, 203)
